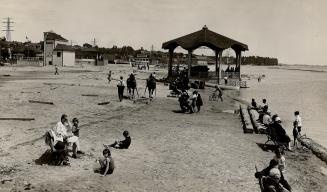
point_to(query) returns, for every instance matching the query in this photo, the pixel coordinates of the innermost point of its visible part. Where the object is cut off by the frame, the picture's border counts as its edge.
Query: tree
(86, 45)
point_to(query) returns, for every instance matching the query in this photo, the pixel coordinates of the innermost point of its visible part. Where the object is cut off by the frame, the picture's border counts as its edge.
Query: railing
(230, 75)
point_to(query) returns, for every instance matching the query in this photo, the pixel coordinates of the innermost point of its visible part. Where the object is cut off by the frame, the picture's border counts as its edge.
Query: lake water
(290, 90)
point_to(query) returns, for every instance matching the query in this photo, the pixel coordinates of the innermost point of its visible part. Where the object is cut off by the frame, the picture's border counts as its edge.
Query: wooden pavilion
(207, 38)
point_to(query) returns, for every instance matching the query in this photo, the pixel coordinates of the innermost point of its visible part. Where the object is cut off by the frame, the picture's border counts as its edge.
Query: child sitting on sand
(107, 165)
(124, 144)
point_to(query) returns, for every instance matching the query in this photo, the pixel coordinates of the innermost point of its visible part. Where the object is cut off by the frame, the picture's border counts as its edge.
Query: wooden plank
(42, 102)
(258, 127)
(16, 119)
(247, 125)
(317, 149)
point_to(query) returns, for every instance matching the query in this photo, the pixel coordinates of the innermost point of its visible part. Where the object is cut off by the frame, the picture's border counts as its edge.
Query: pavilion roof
(205, 37)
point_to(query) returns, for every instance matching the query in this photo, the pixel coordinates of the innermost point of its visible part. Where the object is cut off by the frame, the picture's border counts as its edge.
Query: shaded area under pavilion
(205, 37)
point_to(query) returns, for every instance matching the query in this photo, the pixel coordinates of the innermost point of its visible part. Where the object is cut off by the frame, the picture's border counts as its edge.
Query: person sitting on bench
(124, 144)
(272, 178)
(281, 135)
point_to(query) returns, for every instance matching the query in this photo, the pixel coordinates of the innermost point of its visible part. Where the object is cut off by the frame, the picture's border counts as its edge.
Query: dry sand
(170, 151)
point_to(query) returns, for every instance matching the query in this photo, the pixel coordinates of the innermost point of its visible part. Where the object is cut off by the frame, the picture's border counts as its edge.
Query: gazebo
(207, 38)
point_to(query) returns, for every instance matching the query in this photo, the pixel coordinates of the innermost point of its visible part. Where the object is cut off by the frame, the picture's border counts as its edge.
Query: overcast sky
(294, 31)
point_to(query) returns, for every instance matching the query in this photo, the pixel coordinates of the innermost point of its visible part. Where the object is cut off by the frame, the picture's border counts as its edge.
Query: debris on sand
(42, 102)
(6, 170)
(17, 119)
(104, 103)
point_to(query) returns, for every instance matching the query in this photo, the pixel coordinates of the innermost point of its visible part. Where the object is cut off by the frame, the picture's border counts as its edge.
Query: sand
(170, 151)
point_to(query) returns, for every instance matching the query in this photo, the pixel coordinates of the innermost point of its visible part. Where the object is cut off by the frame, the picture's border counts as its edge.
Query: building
(51, 40)
(63, 55)
(142, 60)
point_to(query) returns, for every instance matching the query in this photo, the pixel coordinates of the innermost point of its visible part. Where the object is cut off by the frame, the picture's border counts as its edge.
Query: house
(63, 55)
(142, 60)
(51, 40)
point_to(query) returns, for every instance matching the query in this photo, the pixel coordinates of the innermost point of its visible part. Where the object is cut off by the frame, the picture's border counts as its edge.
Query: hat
(275, 173)
(278, 119)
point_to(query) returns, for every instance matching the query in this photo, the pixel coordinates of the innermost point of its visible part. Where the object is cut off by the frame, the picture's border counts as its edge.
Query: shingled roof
(205, 37)
(63, 47)
(54, 36)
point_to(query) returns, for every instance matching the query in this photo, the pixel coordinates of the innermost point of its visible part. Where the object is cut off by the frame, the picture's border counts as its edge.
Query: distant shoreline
(297, 69)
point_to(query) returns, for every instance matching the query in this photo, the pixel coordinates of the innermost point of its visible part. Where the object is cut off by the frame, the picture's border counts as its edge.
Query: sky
(294, 31)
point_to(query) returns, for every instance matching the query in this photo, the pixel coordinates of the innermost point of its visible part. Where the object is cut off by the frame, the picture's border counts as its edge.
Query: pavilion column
(239, 66)
(170, 64)
(216, 59)
(219, 68)
(189, 63)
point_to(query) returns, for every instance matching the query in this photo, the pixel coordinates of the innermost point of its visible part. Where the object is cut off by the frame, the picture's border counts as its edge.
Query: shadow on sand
(267, 147)
(48, 158)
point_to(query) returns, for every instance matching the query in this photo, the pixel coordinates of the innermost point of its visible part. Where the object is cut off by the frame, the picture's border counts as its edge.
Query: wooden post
(240, 63)
(170, 64)
(189, 63)
(216, 57)
(220, 61)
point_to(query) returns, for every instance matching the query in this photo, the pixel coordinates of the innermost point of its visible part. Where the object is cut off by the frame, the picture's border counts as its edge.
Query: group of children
(106, 163)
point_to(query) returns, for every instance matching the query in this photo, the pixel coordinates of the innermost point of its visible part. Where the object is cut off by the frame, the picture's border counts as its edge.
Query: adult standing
(121, 87)
(56, 70)
(109, 76)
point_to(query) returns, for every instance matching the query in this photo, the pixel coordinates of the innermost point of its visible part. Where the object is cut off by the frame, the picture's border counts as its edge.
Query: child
(124, 144)
(106, 163)
(298, 119)
(75, 131)
(280, 159)
(295, 132)
(75, 128)
(199, 102)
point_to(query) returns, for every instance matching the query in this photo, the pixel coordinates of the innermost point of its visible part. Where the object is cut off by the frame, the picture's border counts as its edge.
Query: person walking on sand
(121, 87)
(56, 70)
(109, 76)
(220, 93)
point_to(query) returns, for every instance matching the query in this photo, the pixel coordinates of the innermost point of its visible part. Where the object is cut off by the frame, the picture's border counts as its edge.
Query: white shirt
(281, 163)
(298, 119)
(121, 83)
(58, 132)
(266, 119)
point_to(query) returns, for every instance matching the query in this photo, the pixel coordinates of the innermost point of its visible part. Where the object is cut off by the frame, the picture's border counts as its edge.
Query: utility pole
(8, 28)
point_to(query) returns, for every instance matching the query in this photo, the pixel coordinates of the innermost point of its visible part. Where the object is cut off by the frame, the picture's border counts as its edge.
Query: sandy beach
(205, 151)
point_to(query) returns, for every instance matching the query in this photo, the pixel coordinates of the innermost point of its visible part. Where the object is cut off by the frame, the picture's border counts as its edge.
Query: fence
(30, 61)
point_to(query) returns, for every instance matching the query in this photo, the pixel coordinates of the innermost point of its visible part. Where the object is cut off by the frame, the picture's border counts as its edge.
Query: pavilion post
(239, 66)
(219, 68)
(189, 63)
(170, 64)
(216, 58)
